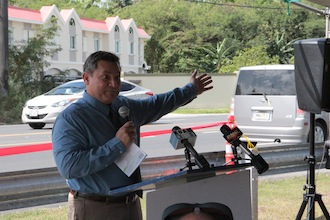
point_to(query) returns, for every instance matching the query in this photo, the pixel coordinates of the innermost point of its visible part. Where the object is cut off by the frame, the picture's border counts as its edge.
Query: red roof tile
(35, 15)
(142, 32)
(24, 13)
(94, 24)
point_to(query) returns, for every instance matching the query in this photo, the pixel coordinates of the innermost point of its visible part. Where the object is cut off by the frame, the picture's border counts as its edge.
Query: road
(208, 140)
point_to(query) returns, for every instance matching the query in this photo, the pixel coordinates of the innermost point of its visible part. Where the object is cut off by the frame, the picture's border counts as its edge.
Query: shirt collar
(96, 103)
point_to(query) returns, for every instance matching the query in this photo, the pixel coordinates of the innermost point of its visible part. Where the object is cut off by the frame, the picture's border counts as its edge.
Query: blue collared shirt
(84, 142)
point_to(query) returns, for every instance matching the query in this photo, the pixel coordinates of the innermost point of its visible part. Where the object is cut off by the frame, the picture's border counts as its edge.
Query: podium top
(180, 177)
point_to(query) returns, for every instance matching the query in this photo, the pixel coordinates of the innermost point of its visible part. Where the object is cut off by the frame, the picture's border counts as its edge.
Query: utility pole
(4, 87)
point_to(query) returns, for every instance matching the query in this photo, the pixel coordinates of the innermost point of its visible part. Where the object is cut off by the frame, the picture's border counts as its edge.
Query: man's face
(105, 83)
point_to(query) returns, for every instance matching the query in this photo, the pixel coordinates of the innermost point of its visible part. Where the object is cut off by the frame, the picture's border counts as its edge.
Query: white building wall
(63, 55)
(124, 51)
(89, 41)
(72, 60)
(105, 42)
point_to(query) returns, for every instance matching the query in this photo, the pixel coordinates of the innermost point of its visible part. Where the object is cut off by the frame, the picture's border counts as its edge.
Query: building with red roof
(79, 37)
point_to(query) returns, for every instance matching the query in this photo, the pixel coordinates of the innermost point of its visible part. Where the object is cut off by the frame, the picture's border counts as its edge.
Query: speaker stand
(310, 197)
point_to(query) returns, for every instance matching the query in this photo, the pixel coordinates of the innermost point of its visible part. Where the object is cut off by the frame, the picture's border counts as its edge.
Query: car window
(68, 89)
(126, 87)
(274, 82)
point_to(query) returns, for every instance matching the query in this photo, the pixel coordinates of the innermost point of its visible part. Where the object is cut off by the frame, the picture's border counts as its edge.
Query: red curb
(25, 149)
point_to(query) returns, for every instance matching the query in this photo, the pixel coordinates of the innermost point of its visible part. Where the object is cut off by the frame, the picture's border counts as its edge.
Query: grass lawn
(277, 199)
(282, 198)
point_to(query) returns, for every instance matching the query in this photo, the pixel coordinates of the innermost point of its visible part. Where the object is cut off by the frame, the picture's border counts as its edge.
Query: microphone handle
(126, 119)
(190, 148)
(245, 149)
(257, 161)
(202, 163)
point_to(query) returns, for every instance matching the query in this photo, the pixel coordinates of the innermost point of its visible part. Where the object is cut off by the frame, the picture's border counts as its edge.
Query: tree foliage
(27, 59)
(188, 34)
(208, 35)
(248, 57)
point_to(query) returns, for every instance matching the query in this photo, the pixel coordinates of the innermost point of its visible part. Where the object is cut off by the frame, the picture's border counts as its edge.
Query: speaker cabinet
(312, 74)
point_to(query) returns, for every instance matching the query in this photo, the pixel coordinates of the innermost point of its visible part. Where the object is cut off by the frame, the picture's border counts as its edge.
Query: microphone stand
(200, 160)
(189, 164)
(310, 197)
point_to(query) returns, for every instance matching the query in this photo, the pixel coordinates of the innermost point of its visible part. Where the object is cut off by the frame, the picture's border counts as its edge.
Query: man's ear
(85, 77)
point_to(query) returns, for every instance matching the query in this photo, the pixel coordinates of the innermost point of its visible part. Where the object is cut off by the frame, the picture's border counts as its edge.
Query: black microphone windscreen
(123, 112)
(225, 129)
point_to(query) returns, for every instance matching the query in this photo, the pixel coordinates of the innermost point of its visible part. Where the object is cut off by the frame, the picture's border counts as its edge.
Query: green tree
(282, 49)
(218, 54)
(279, 31)
(26, 61)
(249, 57)
(179, 31)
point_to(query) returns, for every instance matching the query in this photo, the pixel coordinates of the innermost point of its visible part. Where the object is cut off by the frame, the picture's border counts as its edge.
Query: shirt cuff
(118, 145)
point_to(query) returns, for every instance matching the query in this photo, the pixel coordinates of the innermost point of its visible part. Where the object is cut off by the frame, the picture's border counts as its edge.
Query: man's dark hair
(91, 62)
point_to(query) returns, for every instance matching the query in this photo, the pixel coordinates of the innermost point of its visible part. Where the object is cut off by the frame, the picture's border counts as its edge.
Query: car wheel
(37, 125)
(320, 133)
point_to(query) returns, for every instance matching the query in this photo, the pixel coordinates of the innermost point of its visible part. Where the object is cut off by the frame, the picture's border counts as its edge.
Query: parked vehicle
(43, 109)
(265, 107)
(59, 79)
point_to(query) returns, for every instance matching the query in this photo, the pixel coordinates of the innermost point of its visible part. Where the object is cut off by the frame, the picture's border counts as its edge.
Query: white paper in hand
(131, 159)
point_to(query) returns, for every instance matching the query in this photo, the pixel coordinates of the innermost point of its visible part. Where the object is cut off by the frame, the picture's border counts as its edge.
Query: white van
(265, 107)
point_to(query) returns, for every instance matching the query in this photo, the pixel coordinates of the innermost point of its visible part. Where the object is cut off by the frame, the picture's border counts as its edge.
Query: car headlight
(63, 102)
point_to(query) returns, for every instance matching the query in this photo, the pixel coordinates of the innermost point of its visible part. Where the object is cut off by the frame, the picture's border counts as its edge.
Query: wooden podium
(235, 186)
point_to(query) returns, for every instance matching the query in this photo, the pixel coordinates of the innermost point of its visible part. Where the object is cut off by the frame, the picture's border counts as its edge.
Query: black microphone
(181, 138)
(233, 137)
(124, 113)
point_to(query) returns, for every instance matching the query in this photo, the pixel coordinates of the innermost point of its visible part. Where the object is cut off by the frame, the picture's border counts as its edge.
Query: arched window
(72, 31)
(131, 41)
(117, 40)
(72, 22)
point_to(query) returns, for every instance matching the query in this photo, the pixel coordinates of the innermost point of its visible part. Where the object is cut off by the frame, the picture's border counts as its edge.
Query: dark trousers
(85, 209)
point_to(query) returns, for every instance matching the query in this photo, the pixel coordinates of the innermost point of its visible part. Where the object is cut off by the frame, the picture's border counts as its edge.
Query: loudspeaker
(312, 74)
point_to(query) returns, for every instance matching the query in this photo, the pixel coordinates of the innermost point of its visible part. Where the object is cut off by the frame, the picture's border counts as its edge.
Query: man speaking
(89, 135)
